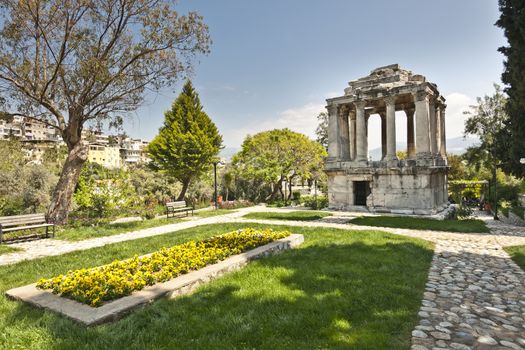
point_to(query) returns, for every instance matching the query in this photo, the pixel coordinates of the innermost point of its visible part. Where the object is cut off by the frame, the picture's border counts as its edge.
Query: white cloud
(457, 103)
(302, 119)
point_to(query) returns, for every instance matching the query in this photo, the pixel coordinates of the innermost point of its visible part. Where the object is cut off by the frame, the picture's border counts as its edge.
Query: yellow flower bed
(97, 285)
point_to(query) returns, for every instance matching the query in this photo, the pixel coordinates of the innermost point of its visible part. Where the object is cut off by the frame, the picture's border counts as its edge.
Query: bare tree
(68, 62)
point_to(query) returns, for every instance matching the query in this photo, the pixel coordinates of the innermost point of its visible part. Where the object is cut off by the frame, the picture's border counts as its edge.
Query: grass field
(470, 225)
(517, 253)
(340, 289)
(4, 249)
(301, 215)
(87, 232)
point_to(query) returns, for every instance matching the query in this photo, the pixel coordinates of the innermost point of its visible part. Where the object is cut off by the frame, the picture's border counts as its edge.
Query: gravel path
(475, 294)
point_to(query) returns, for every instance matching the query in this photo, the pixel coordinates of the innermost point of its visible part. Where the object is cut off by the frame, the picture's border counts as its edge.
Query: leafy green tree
(69, 64)
(322, 129)
(487, 120)
(271, 157)
(512, 20)
(188, 142)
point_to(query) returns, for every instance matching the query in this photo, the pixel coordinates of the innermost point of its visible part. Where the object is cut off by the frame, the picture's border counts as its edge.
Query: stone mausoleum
(415, 185)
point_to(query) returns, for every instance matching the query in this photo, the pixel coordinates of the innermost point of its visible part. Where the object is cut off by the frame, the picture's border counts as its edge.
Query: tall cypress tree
(188, 142)
(512, 21)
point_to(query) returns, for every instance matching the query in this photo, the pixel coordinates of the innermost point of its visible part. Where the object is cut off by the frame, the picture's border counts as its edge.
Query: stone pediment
(384, 79)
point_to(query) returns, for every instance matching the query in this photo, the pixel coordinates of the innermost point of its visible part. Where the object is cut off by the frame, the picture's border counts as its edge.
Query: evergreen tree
(188, 142)
(512, 20)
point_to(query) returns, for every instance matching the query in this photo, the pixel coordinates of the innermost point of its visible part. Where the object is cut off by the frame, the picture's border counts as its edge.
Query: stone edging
(180, 285)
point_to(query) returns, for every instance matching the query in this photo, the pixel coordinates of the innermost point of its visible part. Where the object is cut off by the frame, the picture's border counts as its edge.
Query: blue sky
(273, 63)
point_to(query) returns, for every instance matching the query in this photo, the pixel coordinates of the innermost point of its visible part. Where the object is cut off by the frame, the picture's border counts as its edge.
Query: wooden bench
(174, 208)
(24, 222)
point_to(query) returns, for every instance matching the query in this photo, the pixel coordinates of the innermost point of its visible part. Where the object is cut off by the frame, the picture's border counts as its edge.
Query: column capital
(343, 110)
(351, 114)
(409, 111)
(421, 95)
(331, 108)
(390, 100)
(360, 104)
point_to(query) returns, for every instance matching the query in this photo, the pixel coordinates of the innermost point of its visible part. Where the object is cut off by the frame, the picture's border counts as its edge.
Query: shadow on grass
(356, 295)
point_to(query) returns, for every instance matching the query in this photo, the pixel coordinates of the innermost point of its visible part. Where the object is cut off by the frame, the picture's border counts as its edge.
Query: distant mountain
(455, 145)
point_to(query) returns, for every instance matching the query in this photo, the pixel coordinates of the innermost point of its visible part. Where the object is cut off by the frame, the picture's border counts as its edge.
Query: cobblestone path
(475, 295)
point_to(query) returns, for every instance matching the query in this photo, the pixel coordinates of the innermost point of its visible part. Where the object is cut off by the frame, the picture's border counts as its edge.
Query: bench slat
(181, 209)
(176, 204)
(25, 222)
(25, 216)
(21, 228)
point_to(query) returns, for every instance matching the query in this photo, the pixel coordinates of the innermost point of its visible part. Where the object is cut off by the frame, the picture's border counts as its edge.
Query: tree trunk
(185, 185)
(61, 200)
(276, 188)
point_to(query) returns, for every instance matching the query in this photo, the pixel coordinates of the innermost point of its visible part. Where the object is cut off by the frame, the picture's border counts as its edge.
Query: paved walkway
(474, 298)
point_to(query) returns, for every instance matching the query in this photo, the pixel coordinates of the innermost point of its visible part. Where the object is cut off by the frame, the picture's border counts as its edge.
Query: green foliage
(512, 21)
(486, 120)
(188, 142)
(108, 193)
(322, 130)
(24, 187)
(269, 158)
(315, 203)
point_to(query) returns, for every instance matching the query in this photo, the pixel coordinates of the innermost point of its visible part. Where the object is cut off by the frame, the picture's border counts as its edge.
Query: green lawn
(517, 253)
(301, 215)
(87, 232)
(340, 289)
(470, 225)
(213, 212)
(4, 249)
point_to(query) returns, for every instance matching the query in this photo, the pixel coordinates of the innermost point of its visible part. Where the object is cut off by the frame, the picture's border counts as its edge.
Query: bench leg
(47, 231)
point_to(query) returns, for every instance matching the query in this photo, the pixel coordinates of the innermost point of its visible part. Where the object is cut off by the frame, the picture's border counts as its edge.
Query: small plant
(315, 203)
(463, 212)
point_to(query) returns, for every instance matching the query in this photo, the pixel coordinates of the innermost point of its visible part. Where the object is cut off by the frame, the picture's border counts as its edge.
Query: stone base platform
(180, 285)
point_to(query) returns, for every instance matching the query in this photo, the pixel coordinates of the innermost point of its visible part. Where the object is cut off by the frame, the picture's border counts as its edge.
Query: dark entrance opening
(361, 191)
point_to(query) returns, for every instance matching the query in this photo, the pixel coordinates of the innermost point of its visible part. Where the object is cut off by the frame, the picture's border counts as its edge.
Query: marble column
(344, 136)
(383, 135)
(333, 133)
(433, 126)
(422, 126)
(361, 137)
(443, 137)
(411, 146)
(351, 121)
(390, 128)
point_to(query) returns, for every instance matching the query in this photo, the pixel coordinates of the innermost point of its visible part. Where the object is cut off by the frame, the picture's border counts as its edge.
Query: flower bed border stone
(116, 309)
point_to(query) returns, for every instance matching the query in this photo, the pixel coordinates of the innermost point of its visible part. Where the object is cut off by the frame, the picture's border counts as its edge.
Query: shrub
(319, 203)
(296, 195)
(235, 204)
(120, 278)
